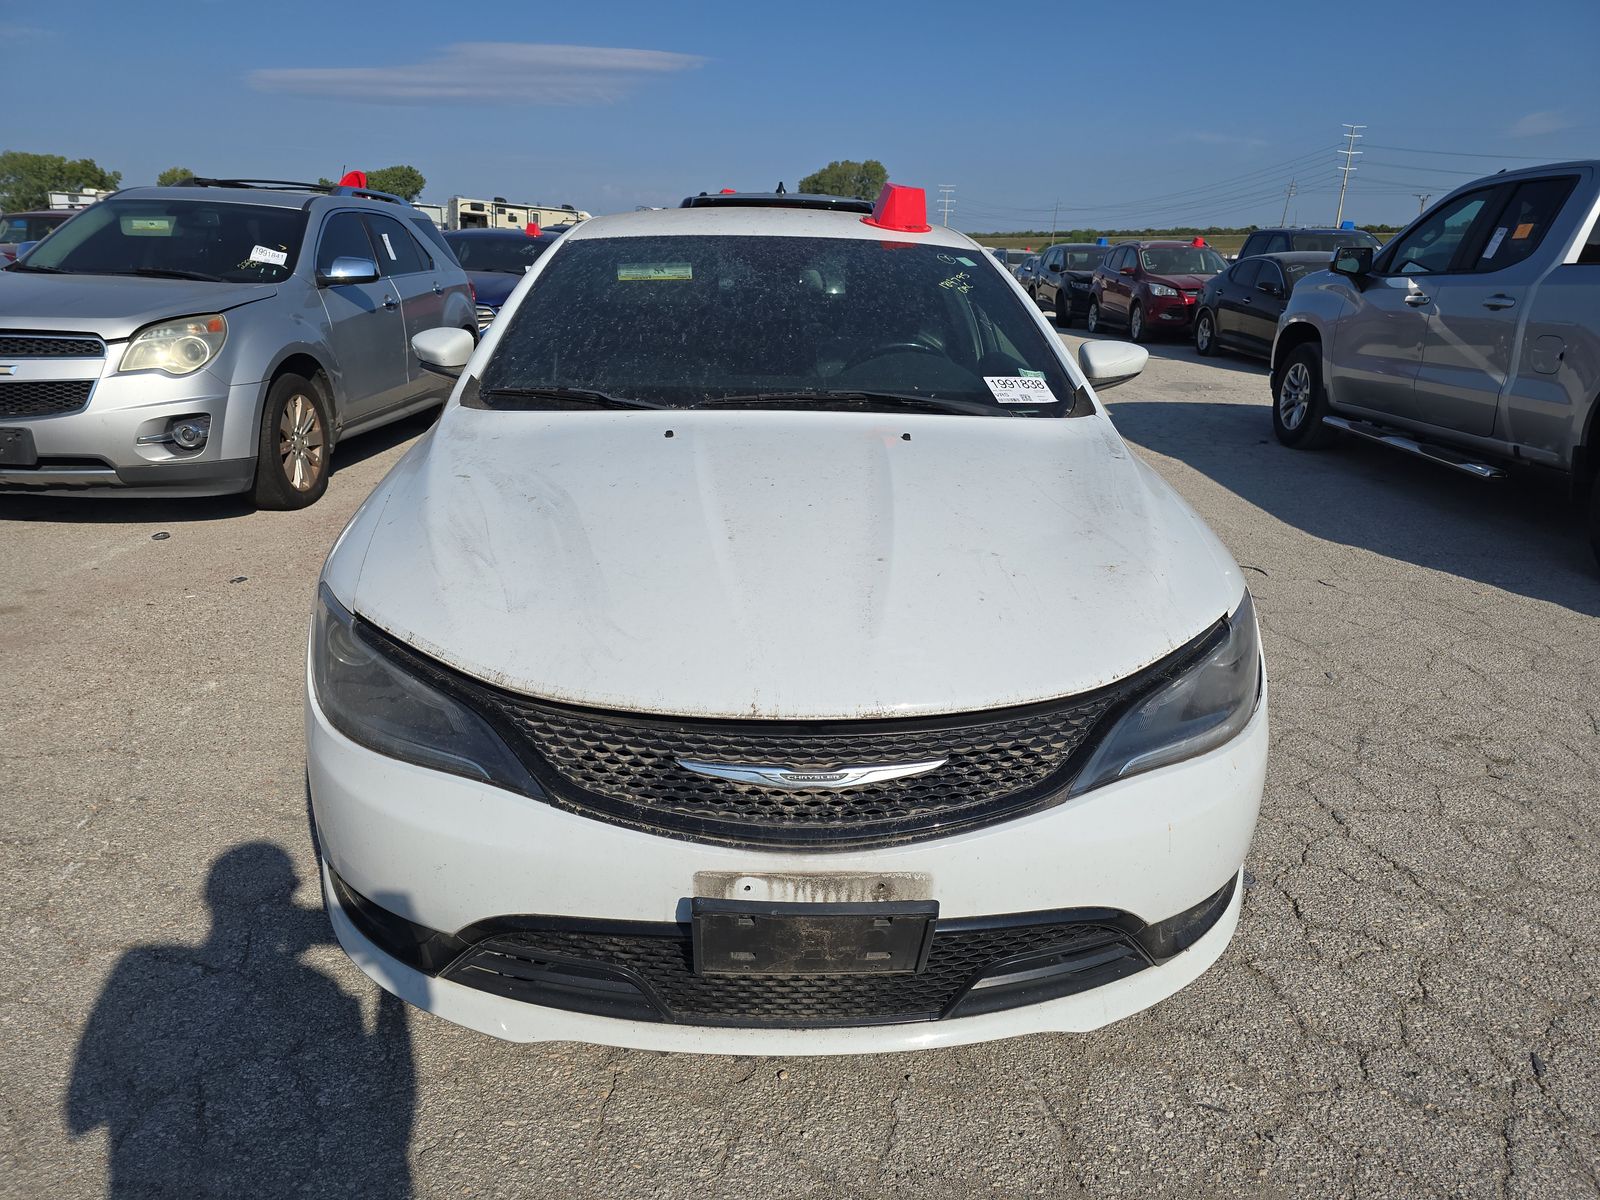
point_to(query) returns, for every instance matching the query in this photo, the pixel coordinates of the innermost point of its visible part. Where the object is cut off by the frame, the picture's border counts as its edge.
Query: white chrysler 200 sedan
(775, 649)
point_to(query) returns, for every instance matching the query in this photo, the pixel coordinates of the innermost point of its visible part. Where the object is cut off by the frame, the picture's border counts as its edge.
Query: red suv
(1151, 287)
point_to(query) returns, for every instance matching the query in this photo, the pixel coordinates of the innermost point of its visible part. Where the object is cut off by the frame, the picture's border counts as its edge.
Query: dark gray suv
(216, 337)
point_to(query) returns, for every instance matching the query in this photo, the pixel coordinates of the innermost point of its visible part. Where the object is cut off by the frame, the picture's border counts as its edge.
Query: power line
(1461, 153)
(1350, 152)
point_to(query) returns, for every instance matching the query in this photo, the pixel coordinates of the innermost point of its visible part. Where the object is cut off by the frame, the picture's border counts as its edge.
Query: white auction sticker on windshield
(264, 254)
(1019, 389)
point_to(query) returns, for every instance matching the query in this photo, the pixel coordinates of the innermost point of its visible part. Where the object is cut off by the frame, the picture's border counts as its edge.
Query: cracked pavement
(1408, 1008)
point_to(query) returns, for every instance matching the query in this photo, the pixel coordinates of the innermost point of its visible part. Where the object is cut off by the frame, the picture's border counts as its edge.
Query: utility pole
(1287, 196)
(1350, 153)
(1422, 200)
(947, 200)
(1054, 214)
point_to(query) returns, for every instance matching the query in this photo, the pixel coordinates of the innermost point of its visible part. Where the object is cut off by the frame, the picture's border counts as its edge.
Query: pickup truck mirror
(443, 351)
(348, 270)
(1354, 261)
(1107, 364)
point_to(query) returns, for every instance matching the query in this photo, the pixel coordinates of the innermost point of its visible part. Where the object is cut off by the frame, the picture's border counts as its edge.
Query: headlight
(1161, 289)
(178, 347)
(371, 699)
(1205, 706)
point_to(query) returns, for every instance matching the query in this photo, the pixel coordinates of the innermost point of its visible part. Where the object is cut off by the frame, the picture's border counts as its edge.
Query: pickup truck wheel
(292, 450)
(1299, 402)
(1136, 330)
(1092, 322)
(1205, 334)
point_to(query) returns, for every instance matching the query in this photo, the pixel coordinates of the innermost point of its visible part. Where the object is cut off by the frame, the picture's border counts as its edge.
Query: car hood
(493, 287)
(781, 564)
(113, 306)
(1187, 283)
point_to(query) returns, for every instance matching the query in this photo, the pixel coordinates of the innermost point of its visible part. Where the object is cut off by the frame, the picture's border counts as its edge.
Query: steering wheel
(895, 347)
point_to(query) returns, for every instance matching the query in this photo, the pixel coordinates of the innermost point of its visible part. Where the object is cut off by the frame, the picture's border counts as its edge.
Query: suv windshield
(1332, 241)
(19, 228)
(1181, 260)
(188, 239)
(682, 320)
(1080, 259)
(513, 255)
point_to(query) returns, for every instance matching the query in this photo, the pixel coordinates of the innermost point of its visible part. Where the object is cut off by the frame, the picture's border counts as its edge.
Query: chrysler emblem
(831, 778)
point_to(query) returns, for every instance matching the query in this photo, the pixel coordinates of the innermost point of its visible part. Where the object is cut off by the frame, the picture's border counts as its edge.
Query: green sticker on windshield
(147, 226)
(654, 272)
(1026, 374)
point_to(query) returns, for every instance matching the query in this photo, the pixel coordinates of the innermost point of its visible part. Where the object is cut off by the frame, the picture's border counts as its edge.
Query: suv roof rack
(847, 204)
(290, 185)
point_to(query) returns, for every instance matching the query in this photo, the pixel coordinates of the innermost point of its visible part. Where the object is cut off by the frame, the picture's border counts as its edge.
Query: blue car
(495, 261)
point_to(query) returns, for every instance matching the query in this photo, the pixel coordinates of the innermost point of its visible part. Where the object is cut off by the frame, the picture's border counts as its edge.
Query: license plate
(736, 937)
(16, 448)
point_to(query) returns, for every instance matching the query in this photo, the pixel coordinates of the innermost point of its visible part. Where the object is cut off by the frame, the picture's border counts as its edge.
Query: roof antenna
(782, 191)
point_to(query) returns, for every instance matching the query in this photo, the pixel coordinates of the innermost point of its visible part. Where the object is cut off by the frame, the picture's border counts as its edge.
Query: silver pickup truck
(1471, 339)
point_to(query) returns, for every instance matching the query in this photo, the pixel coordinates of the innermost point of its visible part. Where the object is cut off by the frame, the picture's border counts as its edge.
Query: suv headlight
(371, 698)
(1161, 289)
(179, 347)
(1208, 704)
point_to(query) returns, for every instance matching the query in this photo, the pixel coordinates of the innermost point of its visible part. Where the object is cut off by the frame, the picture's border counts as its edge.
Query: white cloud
(486, 73)
(1536, 124)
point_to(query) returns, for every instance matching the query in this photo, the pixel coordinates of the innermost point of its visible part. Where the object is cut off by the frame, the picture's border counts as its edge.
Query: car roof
(1081, 246)
(1294, 256)
(734, 220)
(259, 196)
(1165, 243)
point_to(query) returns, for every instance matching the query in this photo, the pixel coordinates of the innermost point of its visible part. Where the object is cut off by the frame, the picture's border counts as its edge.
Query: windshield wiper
(170, 273)
(584, 396)
(863, 400)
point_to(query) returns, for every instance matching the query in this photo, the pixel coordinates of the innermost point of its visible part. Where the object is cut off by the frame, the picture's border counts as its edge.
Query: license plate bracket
(738, 937)
(16, 448)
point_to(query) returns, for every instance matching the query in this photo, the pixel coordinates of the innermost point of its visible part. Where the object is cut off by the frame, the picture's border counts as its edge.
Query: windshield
(681, 320)
(1333, 241)
(1082, 259)
(1182, 260)
(513, 255)
(28, 229)
(201, 239)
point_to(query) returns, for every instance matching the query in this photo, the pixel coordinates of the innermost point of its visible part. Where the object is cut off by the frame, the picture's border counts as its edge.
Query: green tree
(26, 180)
(864, 180)
(403, 181)
(173, 176)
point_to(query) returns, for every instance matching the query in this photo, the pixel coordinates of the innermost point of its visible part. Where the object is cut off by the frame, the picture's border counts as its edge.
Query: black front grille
(43, 397)
(650, 976)
(34, 345)
(624, 767)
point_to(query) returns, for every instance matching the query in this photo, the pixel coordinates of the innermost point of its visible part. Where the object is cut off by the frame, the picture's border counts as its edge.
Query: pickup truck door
(1378, 342)
(1477, 311)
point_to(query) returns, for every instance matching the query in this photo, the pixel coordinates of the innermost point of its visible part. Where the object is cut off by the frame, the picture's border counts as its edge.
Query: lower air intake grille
(43, 397)
(37, 345)
(651, 977)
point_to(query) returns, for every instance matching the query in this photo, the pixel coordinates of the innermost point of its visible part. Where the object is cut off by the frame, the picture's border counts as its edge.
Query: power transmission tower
(1287, 196)
(1350, 153)
(947, 200)
(1422, 200)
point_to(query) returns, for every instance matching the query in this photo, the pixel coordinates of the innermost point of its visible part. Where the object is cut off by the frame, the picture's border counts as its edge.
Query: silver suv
(1471, 339)
(220, 336)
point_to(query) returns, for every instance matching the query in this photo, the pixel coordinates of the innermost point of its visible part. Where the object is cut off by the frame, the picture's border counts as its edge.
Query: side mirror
(1354, 261)
(348, 270)
(444, 351)
(1107, 364)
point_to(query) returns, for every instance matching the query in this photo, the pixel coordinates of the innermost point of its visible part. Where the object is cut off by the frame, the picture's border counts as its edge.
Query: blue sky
(1183, 119)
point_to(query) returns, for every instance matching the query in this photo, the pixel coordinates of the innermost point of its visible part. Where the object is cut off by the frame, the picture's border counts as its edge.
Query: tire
(1092, 321)
(1205, 334)
(1063, 308)
(1594, 518)
(292, 449)
(1299, 400)
(1136, 330)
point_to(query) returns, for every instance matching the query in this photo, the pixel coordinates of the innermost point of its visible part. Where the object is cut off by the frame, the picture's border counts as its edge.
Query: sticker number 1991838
(1016, 389)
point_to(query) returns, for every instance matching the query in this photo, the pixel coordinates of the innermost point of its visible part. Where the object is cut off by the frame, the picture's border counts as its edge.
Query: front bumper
(447, 853)
(1170, 312)
(97, 450)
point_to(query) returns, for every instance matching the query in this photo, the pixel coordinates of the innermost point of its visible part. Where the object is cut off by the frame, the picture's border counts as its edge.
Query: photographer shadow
(231, 1068)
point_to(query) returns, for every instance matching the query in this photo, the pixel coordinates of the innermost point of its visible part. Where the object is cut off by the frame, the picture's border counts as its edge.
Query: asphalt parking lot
(1409, 1007)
